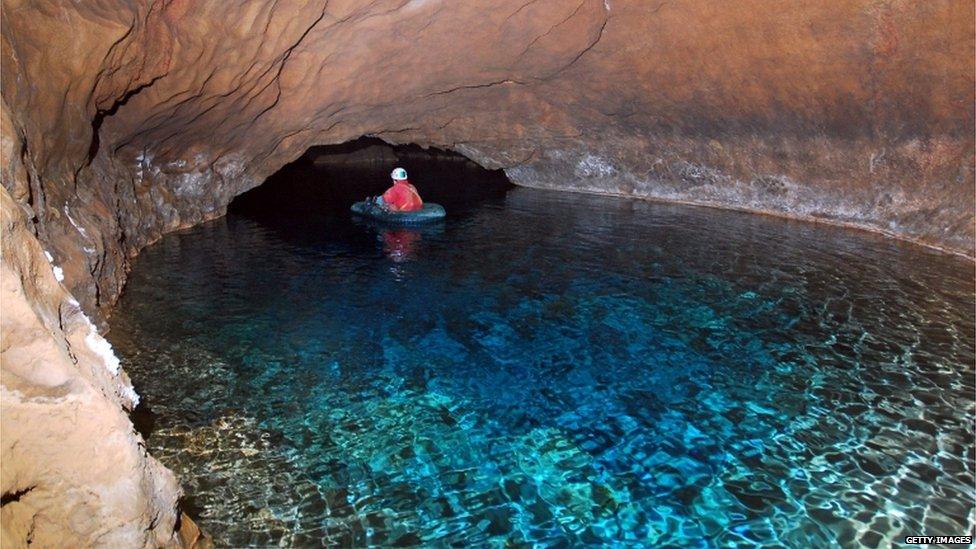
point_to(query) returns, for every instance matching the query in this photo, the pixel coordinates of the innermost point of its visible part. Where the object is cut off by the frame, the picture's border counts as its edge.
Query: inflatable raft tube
(430, 212)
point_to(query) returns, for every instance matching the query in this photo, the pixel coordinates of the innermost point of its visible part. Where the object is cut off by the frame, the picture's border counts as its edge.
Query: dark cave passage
(326, 180)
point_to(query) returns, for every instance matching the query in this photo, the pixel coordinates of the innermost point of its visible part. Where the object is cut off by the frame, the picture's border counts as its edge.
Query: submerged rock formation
(123, 120)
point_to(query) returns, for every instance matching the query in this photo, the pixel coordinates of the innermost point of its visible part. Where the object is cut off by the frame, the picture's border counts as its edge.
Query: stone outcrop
(74, 471)
(122, 120)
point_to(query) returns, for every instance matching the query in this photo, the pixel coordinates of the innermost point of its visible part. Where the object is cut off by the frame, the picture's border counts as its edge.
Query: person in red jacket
(402, 196)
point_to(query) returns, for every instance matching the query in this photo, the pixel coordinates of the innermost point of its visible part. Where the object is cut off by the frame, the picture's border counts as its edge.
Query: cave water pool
(556, 370)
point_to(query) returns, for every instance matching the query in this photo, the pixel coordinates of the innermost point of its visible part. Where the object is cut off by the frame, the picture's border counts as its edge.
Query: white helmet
(399, 174)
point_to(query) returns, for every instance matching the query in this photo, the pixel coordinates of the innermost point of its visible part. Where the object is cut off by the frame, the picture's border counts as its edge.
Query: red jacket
(402, 197)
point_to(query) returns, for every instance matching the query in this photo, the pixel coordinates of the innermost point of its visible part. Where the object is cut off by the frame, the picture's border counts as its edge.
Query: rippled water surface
(555, 369)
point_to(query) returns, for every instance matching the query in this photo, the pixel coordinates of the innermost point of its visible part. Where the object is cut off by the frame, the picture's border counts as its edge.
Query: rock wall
(137, 118)
(122, 120)
(75, 473)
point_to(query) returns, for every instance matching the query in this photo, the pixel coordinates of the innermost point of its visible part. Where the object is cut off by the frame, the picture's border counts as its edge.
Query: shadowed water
(556, 369)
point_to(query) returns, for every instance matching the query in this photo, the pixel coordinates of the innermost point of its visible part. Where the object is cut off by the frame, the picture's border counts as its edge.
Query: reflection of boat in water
(400, 244)
(428, 213)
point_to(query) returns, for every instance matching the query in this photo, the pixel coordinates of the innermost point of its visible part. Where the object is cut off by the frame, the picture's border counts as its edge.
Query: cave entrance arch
(327, 179)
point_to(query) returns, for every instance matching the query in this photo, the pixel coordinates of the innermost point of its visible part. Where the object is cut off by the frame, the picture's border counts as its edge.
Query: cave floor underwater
(550, 368)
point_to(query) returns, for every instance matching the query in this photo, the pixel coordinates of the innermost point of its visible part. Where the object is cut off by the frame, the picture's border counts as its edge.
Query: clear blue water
(555, 369)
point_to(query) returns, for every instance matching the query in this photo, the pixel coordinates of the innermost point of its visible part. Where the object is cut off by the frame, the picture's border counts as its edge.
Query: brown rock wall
(75, 473)
(139, 118)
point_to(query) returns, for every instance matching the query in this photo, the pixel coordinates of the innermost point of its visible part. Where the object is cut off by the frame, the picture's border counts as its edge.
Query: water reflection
(400, 244)
(565, 369)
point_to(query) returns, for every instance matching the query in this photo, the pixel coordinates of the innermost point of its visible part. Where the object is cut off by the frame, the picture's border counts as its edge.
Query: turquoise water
(559, 370)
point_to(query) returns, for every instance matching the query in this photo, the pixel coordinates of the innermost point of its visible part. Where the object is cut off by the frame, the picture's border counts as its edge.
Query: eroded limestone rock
(137, 118)
(75, 473)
